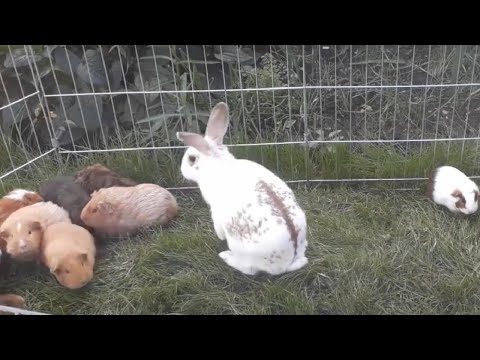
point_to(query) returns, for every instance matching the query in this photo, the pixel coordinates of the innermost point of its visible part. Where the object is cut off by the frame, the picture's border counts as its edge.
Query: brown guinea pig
(97, 177)
(65, 192)
(15, 200)
(22, 230)
(123, 210)
(68, 250)
(12, 301)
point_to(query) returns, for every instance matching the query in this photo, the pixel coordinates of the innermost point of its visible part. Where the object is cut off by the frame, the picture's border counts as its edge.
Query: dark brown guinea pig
(66, 193)
(4, 257)
(97, 177)
(8, 299)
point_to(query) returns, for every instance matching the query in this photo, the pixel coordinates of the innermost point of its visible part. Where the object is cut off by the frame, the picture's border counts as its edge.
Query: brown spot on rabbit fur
(15, 200)
(123, 210)
(22, 231)
(68, 250)
(65, 192)
(97, 177)
(280, 210)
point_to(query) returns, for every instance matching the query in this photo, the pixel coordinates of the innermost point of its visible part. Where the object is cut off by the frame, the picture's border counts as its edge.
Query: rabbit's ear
(218, 123)
(194, 140)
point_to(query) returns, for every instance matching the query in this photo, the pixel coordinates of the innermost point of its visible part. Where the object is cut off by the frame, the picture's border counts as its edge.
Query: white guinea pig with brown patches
(68, 250)
(124, 210)
(22, 231)
(451, 188)
(15, 200)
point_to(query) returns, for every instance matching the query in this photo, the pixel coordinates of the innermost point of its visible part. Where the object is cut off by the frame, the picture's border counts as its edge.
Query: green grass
(381, 252)
(362, 161)
(372, 250)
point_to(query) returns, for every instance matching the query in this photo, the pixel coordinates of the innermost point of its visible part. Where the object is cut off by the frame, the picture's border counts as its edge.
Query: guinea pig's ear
(83, 258)
(35, 225)
(105, 207)
(33, 198)
(461, 202)
(54, 268)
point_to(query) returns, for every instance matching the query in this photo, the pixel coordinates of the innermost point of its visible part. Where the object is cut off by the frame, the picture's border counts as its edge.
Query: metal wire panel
(324, 113)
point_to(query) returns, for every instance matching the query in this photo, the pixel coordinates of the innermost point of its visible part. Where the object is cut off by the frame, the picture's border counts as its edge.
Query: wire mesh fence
(325, 113)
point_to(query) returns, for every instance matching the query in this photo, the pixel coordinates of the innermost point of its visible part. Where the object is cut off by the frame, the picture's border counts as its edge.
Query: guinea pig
(4, 257)
(123, 210)
(68, 250)
(97, 177)
(9, 299)
(65, 192)
(22, 230)
(449, 187)
(12, 301)
(15, 200)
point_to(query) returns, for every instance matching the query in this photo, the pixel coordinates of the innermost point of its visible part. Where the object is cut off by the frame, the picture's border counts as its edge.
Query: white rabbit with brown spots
(251, 208)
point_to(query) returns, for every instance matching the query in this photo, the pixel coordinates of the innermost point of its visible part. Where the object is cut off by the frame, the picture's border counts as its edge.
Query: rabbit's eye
(192, 159)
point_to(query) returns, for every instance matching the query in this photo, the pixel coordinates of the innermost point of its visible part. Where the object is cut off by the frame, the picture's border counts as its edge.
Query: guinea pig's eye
(68, 272)
(192, 159)
(30, 232)
(94, 210)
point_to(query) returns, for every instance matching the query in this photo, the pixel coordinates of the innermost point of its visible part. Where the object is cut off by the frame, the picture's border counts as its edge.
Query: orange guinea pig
(68, 250)
(22, 231)
(124, 210)
(15, 200)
